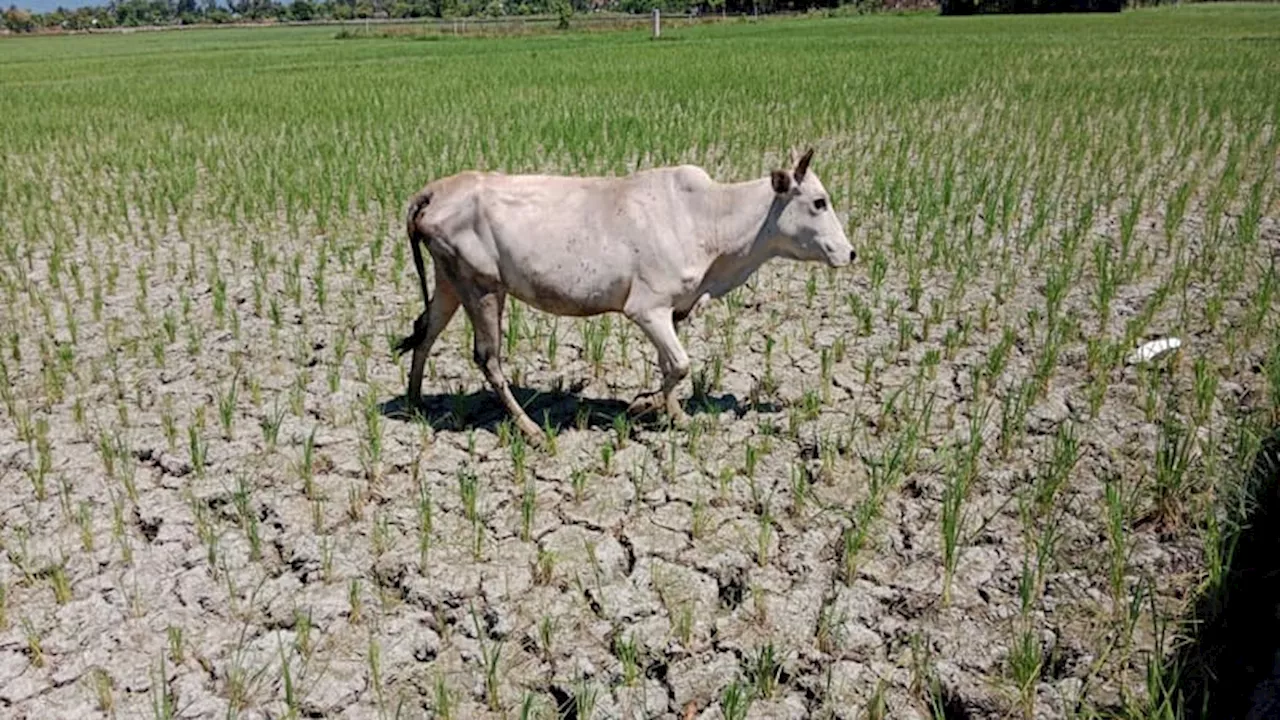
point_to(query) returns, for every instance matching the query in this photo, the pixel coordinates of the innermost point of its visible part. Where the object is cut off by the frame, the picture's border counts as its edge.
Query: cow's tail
(416, 238)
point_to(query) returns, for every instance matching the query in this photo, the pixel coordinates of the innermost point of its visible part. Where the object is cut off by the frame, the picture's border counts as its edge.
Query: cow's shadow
(559, 409)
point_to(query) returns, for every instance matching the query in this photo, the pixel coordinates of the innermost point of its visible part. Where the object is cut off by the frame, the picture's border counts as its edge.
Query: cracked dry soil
(634, 572)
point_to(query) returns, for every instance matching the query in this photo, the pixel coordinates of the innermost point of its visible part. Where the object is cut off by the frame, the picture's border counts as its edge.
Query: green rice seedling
(198, 448)
(955, 492)
(752, 453)
(515, 325)
(304, 467)
(371, 438)
(298, 393)
(491, 655)
(169, 424)
(698, 519)
(682, 623)
(205, 531)
(553, 344)
(877, 708)
(1013, 412)
(374, 659)
(735, 701)
(585, 696)
(764, 671)
(356, 499)
(1206, 388)
(550, 433)
(1173, 483)
(547, 626)
(106, 448)
(34, 644)
(854, 538)
(1056, 468)
(764, 535)
(800, 489)
(119, 533)
(505, 429)
(1117, 508)
(1106, 278)
(906, 331)
(468, 492)
(59, 583)
(426, 524)
(595, 340)
(84, 519)
(227, 406)
(291, 700)
(270, 424)
(621, 429)
(317, 514)
(177, 649)
(380, 538)
(1026, 663)
(628, 657)
(42, 464)
(518, 448)
(64, 496)
(303, 624)
(443, 704)
(828, 451)
(164, 702)
(544, 566)
(248, 517)
(355, 604)
(829, 632)
(528, 505)
(810, 405)
(1175, 209)
(103, 690)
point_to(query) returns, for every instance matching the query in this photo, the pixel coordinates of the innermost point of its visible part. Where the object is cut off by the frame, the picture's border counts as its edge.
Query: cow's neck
(742, 236)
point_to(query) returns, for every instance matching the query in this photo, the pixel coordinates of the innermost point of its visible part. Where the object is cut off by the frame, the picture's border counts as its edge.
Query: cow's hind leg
(439, 312)
(672, 360)
(486, 317)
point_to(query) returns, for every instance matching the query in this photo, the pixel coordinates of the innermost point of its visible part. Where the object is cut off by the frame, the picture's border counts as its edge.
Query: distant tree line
(136, 13)
(974, 7)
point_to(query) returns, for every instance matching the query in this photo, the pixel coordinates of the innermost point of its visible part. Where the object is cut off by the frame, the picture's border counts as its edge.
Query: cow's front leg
(659, 327)
(486, 317)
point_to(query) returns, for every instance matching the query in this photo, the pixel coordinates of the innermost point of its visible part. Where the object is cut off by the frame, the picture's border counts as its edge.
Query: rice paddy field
(934, 484)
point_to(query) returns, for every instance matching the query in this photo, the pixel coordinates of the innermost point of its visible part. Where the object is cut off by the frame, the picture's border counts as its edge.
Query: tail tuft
(414, 340)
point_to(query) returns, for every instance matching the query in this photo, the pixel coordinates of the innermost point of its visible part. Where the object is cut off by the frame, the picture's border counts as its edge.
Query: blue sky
(42, 6)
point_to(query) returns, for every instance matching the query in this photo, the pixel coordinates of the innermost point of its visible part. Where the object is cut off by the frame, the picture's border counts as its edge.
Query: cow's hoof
(532, 433)
(645, 403)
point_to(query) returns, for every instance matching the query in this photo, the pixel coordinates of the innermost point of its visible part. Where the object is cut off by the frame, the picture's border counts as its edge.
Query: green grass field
(930, 485)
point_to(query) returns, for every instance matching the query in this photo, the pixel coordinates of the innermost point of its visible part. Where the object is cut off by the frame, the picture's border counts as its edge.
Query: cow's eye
(820, 204)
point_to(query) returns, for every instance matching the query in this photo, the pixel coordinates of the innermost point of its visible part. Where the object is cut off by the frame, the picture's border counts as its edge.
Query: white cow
(656, 245)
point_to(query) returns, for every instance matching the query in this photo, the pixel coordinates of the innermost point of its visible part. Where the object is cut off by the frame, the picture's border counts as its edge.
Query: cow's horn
(802, 167)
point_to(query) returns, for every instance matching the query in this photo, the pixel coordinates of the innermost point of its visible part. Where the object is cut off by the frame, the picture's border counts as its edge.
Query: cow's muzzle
(840, 258)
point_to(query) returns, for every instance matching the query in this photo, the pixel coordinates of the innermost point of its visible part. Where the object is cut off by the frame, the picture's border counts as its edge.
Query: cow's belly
(573, 284)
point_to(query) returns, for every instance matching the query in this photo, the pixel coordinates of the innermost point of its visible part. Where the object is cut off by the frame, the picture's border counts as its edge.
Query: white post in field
(657, 24)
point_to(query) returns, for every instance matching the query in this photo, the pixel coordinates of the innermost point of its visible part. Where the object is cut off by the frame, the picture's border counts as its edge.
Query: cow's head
(807, 226)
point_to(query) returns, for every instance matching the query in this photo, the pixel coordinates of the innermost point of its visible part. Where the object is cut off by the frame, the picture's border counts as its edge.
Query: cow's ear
(781, 181)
